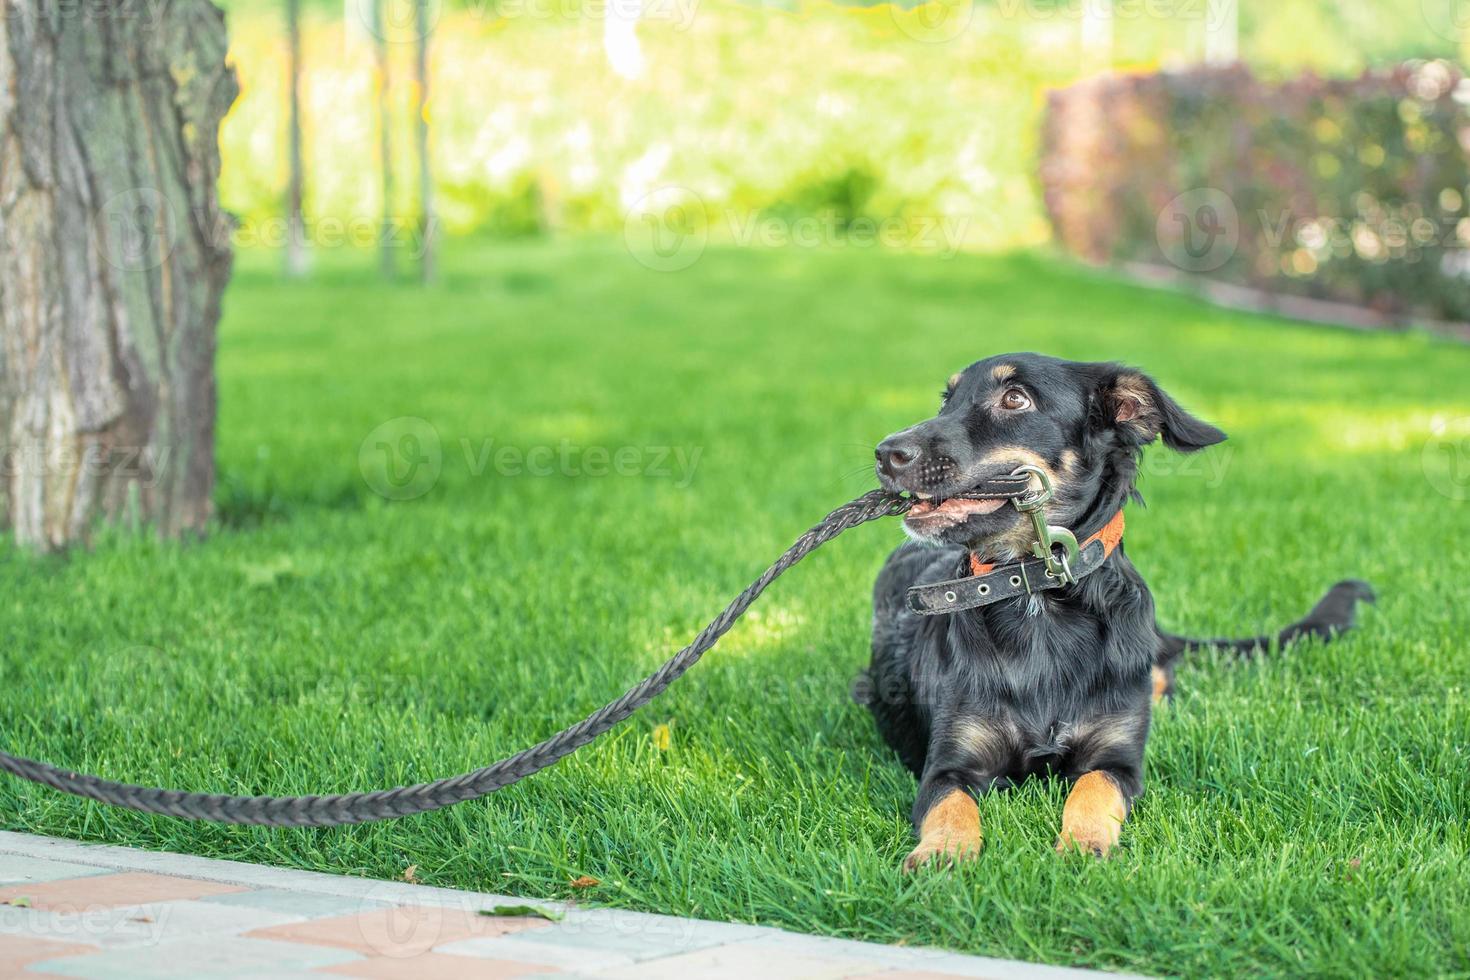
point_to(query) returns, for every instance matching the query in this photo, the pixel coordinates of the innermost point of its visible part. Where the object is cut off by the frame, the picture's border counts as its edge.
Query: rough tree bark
(113, 255)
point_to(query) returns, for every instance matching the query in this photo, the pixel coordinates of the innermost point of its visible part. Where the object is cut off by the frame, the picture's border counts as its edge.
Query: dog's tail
(1334, 613)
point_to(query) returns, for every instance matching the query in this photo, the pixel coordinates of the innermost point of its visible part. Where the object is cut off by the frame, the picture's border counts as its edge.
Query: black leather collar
(1018, 578)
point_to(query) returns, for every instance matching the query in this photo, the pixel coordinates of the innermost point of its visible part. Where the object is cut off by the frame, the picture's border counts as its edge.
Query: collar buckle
(1049, 537)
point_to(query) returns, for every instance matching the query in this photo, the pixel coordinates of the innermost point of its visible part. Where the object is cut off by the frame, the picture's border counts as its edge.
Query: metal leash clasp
(1048, 536)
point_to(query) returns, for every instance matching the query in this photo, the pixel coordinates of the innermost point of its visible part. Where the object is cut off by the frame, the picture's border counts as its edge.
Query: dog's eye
(1014, 400)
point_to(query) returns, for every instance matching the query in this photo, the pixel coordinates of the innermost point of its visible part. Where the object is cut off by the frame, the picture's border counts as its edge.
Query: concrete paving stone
(138, 925)
(19, 952)
(740, 961)
(983, 968)
(18, 870)
(916, 975)
(385, 921)
(108, 891)
(877, 956)
(439, 966)
(661, 935)
(636, 937)
(202, 959)
(304, 905)
(245, 875)
(169, 921)
(398, 931)
(518, 947)
(915, 958)
(91, 927)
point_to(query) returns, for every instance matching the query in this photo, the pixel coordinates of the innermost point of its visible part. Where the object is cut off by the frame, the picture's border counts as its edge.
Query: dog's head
(1083, 424)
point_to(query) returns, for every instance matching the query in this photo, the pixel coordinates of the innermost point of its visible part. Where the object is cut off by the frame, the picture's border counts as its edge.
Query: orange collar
(1111, 535)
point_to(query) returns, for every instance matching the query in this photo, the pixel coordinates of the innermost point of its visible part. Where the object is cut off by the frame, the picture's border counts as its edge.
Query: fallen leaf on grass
(411, 874)
(551, 915)
(662, 738)
(586, 881)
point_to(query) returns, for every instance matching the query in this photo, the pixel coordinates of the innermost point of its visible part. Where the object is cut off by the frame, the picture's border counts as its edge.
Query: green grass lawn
(1305, 814)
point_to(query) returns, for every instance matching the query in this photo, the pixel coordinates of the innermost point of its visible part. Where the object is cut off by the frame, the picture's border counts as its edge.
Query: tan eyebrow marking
(1003, 372)
(954, 379)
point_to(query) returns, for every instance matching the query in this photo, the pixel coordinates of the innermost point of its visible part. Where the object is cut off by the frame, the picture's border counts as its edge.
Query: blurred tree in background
(296, 191)
(422, 30)
(378, 25)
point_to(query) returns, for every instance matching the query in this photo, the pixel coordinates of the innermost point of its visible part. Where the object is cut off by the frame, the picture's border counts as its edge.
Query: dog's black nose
(897, 454)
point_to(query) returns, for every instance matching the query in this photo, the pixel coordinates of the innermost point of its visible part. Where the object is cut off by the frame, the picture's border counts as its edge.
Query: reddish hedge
(1350, 190)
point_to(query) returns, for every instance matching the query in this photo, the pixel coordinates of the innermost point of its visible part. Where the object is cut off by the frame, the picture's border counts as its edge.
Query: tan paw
(1092, 820)
(944, 852)
(1093, 837)
(949, 832)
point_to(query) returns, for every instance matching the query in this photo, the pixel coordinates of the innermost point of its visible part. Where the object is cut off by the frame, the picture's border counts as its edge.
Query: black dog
(989, 667)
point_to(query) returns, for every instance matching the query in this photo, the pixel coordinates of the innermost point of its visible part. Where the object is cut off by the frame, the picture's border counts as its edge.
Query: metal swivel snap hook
(1049, 537)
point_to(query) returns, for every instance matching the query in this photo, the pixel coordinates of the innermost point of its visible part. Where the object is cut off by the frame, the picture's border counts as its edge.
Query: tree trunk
(428, 267)
(115, 253)
(295, 193)
(386, 239)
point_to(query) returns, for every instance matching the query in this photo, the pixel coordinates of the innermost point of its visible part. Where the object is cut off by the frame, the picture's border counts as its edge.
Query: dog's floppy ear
(1132, 403)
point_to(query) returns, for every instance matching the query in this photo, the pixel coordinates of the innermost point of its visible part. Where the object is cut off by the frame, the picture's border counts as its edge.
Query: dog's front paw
(942, 852)
(1095, 837)
(1092, 820)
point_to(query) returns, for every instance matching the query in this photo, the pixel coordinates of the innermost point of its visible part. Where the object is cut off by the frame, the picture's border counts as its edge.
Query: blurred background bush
(1351, 190)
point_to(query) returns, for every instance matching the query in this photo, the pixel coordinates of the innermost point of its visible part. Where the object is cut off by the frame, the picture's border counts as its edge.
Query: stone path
(84, 910)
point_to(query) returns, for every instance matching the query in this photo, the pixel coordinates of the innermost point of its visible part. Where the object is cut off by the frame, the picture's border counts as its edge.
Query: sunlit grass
(1306, 814)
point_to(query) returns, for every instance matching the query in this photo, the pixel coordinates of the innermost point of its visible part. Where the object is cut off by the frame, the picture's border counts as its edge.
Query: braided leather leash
(352, 808)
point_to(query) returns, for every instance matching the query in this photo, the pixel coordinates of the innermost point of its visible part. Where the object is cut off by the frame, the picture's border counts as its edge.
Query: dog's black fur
(1056, 683)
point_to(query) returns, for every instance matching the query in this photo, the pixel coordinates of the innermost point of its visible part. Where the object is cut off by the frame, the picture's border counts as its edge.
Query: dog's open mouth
(952, 511)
